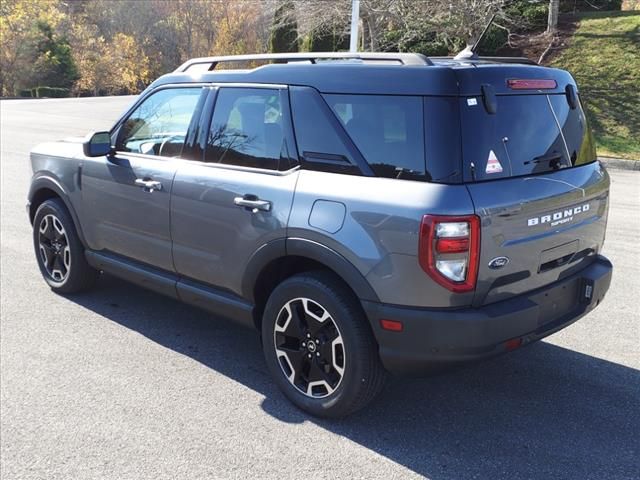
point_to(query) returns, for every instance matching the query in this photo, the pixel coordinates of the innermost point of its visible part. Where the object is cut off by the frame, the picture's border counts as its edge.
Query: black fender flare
(43, 182)
(300, 247)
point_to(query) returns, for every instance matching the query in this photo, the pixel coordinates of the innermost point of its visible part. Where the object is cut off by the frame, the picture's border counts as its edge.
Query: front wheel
(319, 347)
(59, 251)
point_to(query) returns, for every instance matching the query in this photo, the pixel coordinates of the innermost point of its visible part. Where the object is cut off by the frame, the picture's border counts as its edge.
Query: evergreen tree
(284, 33)
(54, 65)
(325, 41)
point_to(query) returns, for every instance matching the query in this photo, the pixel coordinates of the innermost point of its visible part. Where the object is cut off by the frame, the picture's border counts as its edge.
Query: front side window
(158, 126)
(247, 128)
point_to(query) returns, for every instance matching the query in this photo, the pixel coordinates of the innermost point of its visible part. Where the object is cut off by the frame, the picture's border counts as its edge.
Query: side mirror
(97, 144)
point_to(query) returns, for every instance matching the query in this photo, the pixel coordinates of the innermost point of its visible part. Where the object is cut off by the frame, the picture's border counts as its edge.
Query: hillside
(604, 56)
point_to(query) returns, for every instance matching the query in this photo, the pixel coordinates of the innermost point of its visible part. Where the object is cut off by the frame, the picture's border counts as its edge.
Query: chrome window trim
(225, 166)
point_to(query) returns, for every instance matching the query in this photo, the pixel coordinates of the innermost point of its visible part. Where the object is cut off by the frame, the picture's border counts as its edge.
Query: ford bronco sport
(367, 213)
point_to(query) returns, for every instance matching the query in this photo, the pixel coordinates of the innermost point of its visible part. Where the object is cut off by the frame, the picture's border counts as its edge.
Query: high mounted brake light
(532, 84)
(449, 250)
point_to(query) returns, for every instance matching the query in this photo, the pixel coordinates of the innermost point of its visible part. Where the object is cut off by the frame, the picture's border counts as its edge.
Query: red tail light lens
(533, 84)
(452, 245)
(449, 250)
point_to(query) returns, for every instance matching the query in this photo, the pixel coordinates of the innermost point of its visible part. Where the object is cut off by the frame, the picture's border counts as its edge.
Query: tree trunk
(364, 28)
(373, 35)
(552, 23)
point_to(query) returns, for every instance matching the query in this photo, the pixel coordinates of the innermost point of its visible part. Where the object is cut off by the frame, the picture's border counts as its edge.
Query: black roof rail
(524, 60)
(477, 59)
(312, 57)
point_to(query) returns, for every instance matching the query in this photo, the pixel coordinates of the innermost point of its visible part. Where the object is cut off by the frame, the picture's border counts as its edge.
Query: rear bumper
(432, 338)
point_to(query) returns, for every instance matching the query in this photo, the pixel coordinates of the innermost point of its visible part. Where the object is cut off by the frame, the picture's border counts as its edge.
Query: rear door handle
(148, 185)
(252, 202)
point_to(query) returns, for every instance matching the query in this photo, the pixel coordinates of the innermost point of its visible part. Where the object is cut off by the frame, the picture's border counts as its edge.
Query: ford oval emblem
(498, 262)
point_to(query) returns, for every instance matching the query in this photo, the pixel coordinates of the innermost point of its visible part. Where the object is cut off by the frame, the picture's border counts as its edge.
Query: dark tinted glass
(320, 144)
(522, 138)
(247, 128)
(442, 139)
(158, 126)
(575, 129)
(388, 131)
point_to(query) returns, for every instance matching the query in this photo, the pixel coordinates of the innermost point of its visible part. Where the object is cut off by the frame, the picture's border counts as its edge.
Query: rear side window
(388, 131)
(322, 143)
(247, 128)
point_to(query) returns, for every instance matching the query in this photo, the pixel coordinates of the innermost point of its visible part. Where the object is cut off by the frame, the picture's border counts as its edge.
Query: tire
(319, 347)
(59, 251)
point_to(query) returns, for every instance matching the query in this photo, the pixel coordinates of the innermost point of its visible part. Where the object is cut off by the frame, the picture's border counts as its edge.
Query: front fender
(42, 188)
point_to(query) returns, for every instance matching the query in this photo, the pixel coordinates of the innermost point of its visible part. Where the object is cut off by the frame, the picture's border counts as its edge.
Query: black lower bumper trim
(433, 338)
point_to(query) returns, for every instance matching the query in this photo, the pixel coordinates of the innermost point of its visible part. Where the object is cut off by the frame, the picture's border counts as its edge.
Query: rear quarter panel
(379, 230)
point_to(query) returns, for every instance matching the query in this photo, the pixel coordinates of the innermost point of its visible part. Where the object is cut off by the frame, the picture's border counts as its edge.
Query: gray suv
(367, 213)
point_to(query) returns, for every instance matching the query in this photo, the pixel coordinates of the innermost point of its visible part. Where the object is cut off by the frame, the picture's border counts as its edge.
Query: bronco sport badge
(557, 218)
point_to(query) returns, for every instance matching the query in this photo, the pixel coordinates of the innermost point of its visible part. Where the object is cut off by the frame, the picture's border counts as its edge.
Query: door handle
(252, 202)
(148, 185)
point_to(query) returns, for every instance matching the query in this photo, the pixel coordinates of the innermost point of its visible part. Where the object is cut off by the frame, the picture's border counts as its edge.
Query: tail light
(449, 250)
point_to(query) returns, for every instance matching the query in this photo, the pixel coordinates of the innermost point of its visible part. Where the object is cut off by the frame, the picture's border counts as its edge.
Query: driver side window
(158, 126)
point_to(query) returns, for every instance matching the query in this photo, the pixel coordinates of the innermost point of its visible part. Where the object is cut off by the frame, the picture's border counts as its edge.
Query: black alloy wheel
(59, 251)
(319, 346)
(309, 347)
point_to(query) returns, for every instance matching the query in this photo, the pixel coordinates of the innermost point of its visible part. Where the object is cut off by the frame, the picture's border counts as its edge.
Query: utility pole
(355, 20)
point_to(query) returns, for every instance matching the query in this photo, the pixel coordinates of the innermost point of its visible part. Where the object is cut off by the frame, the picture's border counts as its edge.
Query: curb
(620, 164)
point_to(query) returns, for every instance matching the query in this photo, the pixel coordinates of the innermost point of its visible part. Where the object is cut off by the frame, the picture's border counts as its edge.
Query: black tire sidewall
(78, 276)
(344, 312)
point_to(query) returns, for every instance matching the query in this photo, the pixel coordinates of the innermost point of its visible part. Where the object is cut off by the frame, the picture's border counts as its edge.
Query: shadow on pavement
(543, 412)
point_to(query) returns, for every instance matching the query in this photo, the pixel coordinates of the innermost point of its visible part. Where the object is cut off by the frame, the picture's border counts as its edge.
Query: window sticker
(472, 102)
(493, 164)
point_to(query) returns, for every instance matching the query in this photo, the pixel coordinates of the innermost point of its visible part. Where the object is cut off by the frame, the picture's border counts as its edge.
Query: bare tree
(552, 23)
(451, 20)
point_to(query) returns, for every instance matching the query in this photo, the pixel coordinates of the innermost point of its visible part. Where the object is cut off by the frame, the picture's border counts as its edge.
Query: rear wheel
(58, 249)
(319, 346)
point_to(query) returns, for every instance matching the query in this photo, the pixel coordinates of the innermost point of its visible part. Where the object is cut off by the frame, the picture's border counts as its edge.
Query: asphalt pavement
(122, 383)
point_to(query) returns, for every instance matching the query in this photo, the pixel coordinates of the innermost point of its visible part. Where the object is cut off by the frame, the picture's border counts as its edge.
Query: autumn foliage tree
(238, 32)
(21, 37)
(117, 46)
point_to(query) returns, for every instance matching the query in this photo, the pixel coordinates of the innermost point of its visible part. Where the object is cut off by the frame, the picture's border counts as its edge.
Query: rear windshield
(576, 131)
(388, 131)
(523, 137)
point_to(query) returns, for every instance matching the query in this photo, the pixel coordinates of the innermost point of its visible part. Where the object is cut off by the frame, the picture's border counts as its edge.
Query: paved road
(122, 383)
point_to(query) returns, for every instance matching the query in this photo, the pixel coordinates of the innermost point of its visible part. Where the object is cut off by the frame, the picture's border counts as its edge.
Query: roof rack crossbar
(403, 58)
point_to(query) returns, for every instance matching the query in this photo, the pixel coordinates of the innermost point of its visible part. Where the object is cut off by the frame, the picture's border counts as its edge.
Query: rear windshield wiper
(553, 159)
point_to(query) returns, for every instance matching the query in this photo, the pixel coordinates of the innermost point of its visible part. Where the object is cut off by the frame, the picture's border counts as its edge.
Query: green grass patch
(604, 57)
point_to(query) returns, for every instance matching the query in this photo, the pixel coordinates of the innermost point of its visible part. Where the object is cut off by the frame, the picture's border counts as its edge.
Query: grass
(604, 58)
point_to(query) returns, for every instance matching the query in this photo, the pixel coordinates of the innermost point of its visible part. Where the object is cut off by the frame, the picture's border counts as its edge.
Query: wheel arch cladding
(274, 262)
(45, 188)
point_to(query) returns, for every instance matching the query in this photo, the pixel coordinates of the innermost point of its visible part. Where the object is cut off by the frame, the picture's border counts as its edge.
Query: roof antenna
(470, 51)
